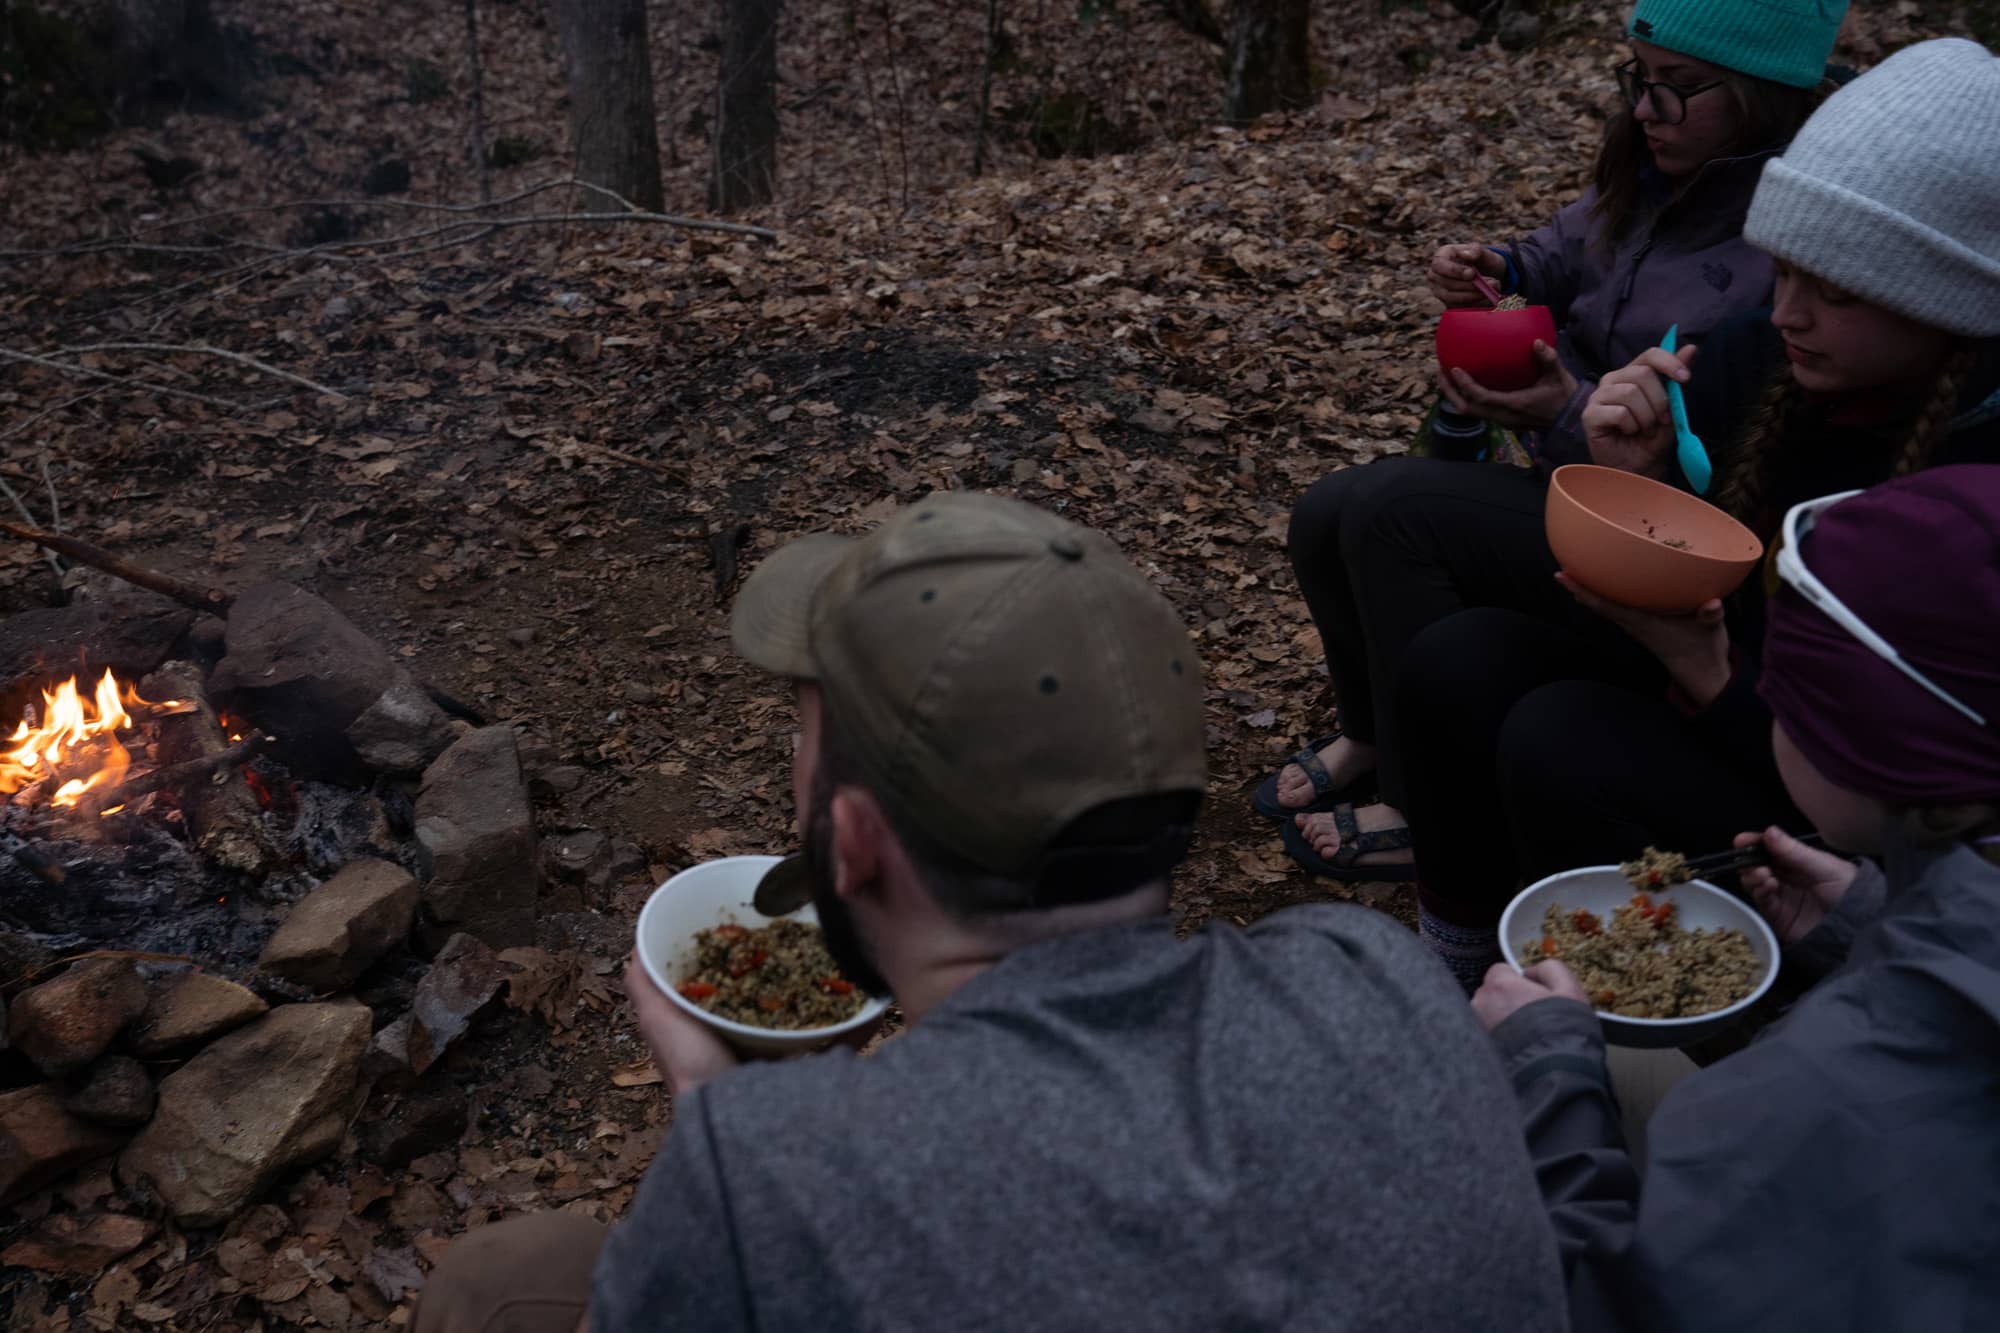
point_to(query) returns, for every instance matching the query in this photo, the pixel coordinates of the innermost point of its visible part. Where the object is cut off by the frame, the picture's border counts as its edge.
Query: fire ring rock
(260, 1101)
(65, 1023)
(41, 1141)
(477, 835)
(336, 932)
(188, 1009)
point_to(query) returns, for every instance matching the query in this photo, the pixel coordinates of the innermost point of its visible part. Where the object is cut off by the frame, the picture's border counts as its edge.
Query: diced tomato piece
(836, 986)
(1586, 922)
(1643, 902)
(1605, 999)
(1548, 946)
(730, 931)
(741, 967)
(771, 1004)
(697, 990)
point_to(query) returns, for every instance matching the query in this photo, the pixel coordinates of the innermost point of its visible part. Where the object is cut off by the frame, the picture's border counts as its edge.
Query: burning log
(174, 775)
(187, 594)
(223, 816)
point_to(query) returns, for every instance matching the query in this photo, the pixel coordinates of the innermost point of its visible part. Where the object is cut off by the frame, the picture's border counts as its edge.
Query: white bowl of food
(700, 939)
(1666, 968)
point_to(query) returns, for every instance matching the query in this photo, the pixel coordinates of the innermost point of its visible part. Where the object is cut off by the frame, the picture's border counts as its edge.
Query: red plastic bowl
(1495, 347)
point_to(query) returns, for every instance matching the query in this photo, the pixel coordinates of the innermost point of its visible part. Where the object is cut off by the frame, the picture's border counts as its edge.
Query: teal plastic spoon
(1693, 456)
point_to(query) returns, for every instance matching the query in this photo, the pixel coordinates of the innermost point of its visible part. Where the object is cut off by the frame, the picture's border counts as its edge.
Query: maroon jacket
(1688, 265)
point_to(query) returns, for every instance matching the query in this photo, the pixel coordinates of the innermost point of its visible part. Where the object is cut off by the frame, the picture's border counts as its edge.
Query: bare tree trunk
(1269, 58)
(479, 162)
(611, 120)
(746, 107)
(986, 84)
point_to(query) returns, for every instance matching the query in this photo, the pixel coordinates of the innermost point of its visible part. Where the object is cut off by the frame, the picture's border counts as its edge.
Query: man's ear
(860, 841)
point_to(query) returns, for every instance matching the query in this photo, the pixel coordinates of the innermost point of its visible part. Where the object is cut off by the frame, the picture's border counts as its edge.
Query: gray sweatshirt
(1293, 1126)
(1838, 1173)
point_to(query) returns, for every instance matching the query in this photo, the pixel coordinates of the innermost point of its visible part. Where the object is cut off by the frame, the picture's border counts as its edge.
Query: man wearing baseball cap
(1087, 1123)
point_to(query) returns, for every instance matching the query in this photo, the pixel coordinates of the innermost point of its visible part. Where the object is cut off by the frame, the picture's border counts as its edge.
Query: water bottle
(1457, 436)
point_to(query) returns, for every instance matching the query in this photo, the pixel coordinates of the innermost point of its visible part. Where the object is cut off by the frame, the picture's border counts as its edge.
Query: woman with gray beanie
(1838, 1172)
(1534, 746)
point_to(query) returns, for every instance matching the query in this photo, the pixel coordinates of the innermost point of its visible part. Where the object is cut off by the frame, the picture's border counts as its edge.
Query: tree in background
(745, 170)
(611, 118)
(1269, 58)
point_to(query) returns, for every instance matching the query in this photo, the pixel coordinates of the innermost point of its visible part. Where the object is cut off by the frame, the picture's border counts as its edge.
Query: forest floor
(1168, 341)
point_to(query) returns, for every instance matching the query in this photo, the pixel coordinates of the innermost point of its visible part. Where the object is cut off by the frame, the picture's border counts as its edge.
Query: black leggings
(1530, 750)
(1387, 550)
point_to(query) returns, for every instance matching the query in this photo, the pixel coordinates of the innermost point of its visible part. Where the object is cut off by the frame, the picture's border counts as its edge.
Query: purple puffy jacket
(1687, 265)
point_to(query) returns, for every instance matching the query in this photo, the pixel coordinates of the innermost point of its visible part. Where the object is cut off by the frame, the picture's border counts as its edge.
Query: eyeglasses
(1788, 566)
(1669, 100)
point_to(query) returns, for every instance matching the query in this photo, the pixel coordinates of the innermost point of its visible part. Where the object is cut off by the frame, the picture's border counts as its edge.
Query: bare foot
(1347, 760)
(1325, 838)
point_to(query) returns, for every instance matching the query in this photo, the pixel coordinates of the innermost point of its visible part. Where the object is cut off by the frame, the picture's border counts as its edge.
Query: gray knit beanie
(1892, 189)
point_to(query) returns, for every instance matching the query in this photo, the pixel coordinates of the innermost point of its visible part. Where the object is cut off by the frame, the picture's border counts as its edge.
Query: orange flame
(75, 734)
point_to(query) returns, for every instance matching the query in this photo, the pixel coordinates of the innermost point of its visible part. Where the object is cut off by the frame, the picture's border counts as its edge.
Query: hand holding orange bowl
(1495, 347)
(1642, 543)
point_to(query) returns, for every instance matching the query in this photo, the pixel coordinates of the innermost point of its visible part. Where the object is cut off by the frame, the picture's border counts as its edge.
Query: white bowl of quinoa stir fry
(1665, 964)
(766, 984)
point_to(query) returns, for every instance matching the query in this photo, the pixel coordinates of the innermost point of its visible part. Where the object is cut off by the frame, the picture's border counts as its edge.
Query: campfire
(76, 743)
(203, 922)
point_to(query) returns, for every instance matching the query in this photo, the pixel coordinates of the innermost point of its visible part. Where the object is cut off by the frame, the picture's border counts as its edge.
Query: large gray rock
(260, 1101)
(477, 834)
(41, 1141)
(463, 983)
(402, 731)
(130, 636)
(68, 1021)
(301, 669)
(190, 1008)
(336, 932)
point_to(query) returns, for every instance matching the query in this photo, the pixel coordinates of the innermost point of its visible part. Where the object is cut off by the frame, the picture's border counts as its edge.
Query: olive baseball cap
(993, 668)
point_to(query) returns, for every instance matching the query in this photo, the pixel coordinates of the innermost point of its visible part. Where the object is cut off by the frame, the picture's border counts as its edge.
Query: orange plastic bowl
(1495, 347)
(1642, 543)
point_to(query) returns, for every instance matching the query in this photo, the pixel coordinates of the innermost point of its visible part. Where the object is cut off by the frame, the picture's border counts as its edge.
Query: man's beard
(836, 919)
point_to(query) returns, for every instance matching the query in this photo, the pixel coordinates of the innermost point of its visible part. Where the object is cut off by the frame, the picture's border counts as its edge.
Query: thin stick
(201, 349)
(478, 103)
(173, 775)
(55, 505)
(147, 385)
(633, 459)
(55, 562)
(187, 594)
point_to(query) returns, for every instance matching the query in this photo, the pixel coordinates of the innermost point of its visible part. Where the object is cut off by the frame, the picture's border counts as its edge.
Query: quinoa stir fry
(775, 976)
(1644, 964)
(1655, 869)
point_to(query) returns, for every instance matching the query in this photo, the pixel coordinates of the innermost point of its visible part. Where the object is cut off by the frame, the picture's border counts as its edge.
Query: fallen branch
(187, 594)
(147, 385)
(173, 775)
(202, 349)
(632, 460)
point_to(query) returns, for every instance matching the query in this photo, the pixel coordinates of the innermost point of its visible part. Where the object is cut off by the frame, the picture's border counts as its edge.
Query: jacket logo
(1641, 28)
(1717, 276)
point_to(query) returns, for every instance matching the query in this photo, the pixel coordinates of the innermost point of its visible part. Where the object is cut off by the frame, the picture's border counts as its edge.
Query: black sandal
(1354, 844)
(1325, 795)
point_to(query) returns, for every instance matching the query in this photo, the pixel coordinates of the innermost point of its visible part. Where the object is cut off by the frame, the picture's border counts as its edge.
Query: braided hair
(1764, 434)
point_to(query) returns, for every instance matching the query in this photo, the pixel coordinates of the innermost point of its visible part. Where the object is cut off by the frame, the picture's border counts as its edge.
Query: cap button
(1069, 548)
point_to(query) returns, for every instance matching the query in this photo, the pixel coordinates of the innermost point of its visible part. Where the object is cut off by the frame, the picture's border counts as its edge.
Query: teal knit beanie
(1785, 41)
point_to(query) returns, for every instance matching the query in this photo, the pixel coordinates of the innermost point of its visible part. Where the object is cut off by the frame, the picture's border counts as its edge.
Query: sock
(1466, 950)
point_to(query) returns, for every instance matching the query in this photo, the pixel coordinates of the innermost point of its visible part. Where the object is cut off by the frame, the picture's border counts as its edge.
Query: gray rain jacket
(1841, 1172)
(1687, 264)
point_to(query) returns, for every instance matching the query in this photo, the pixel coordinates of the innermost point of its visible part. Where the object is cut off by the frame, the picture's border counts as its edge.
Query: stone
(68, 1021)
(477, 838)
(300, 668)
(464, 982)
(129, 636)
(559, 779)
(336, 932)
(262, 1100)
(521, 637)
(387, 1064)
(571, 857)
(428, 1118)
(402, 731)
(116, 1094)
(78, 1246)
(21, 954)
(189, 1009)
(41, 1141)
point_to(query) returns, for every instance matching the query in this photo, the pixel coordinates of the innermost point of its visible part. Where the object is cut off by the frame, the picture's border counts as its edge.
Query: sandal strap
(1354, 844)
(1309, 763)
